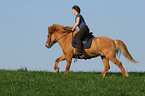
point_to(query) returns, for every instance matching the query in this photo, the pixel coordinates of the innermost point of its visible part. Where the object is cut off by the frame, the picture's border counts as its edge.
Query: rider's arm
(77, 23)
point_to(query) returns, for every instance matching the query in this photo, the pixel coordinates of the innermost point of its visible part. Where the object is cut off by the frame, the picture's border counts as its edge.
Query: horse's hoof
(126, 74)
(102, 75)
(57, 70)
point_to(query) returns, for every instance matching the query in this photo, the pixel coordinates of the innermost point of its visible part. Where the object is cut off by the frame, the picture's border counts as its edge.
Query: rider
(83, 29)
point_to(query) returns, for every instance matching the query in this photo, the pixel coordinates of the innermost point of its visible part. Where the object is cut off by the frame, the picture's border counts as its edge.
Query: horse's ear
(54, 28)
(50, 29)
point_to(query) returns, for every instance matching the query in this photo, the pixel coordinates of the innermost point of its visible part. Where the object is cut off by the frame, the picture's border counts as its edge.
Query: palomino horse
(101, 46)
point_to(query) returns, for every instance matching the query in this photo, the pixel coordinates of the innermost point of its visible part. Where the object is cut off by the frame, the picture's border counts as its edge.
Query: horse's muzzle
(48, 45)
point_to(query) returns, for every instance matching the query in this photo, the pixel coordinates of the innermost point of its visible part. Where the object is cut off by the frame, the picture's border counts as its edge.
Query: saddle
(86, 41)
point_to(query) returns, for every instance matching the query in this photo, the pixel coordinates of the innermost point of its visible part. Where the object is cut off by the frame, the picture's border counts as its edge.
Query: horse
(101, 46)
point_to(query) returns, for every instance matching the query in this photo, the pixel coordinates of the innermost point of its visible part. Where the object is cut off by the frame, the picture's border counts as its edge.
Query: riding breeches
(83, 32)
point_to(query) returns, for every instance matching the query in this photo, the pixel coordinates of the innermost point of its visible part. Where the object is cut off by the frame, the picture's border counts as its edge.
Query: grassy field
(41, 83)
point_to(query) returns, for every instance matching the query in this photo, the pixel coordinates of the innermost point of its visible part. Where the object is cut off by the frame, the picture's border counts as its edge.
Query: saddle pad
(86, 42)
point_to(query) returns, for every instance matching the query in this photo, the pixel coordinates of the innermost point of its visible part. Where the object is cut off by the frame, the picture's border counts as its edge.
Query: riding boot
(79, 53)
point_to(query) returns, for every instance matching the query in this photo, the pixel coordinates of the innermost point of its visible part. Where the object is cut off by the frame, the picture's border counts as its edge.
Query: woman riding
(83, 29)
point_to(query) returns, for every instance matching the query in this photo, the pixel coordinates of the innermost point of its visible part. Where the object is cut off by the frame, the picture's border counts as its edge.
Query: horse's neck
(65, 41)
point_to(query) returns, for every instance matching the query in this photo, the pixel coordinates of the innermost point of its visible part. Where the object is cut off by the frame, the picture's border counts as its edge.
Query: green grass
(40, 83)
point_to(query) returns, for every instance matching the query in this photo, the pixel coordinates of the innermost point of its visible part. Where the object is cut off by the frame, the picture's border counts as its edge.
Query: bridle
(50, 43)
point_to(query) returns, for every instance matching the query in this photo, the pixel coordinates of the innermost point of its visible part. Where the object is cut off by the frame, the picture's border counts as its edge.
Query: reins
(62, 36)
(57, 39)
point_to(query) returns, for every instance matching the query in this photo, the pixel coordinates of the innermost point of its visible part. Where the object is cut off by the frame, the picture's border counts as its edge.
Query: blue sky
(23, 31)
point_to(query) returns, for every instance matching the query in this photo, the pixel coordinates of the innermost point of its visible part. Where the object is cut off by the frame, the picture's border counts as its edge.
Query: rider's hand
(73, 29)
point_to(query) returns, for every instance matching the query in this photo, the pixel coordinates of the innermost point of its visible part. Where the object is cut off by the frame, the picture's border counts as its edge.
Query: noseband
(50, 43)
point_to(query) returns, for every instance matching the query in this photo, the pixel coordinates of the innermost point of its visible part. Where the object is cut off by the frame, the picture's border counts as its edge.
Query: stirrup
(76, 58)
(78, 54)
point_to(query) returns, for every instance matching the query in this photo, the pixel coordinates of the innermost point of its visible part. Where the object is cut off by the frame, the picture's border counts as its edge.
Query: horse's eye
(48, 36)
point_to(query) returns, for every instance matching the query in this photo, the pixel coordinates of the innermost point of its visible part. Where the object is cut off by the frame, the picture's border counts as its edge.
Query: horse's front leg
(68, 65)
(56, 68)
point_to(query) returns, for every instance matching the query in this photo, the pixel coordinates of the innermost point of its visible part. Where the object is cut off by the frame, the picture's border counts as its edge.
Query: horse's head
(51, 39)
(54, 31)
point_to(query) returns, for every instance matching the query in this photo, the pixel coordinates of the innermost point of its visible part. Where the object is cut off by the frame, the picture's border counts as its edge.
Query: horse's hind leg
(106, 65)
(119, 64)
(56, 68)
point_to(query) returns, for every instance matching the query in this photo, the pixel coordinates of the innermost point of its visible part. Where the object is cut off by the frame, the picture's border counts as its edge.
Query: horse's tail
(121, 47)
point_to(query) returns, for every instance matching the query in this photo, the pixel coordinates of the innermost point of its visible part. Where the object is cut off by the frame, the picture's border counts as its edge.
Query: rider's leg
(84, 31)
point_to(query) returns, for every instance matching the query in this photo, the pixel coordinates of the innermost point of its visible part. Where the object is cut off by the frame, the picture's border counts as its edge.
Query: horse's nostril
(46, 45)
